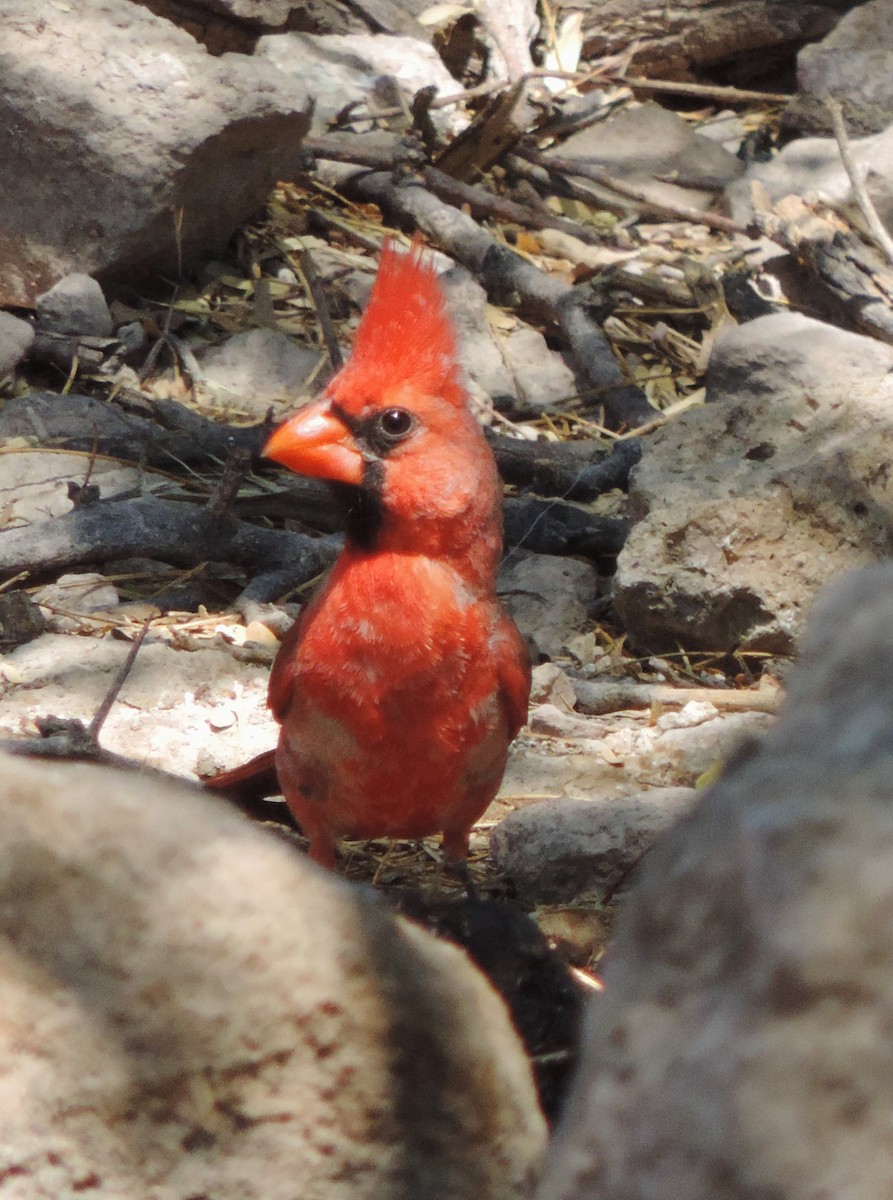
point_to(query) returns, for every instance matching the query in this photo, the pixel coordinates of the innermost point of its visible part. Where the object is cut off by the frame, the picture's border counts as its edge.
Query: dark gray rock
(550, 598)
(649, 146)
(142, 154)
(746, 507)
(564, 850)
(16, 337)
(741, 1047)
(74, 305)
(854, 62)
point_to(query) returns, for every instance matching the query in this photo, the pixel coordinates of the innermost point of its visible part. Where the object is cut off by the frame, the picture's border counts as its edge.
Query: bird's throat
(362, 508)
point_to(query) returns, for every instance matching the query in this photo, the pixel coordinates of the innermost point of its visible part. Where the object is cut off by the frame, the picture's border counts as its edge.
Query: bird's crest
(404, 337)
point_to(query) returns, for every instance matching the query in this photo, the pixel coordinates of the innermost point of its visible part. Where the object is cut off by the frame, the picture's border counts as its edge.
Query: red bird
(403, 682)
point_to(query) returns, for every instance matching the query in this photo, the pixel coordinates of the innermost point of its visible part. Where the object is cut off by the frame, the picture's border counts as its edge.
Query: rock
(705, 34)
(550, 598)
(34, 483)
(16, 337)
(563, 850)
(223, 25)
(854, 62)
(682, 754)
(340, 69)
(251, 369)
(135, 173)
(167, 709)
(614, 757)
(541, 378)
(646, 145)
(190, 1008)
(479, 349)
(551, 685)
(813, 165)
(20, 620)
(75, 596)
(748, 505)
(545, 1001)
(74, 305)
(515, 365)
(741, 1046)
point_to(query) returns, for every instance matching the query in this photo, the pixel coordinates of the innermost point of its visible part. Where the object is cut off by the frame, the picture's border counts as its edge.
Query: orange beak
(316, 442)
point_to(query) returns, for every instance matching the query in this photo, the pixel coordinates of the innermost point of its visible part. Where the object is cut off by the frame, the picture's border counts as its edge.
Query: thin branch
(609, 695)
(585, 170)
(112, 694)
(709, 91)
(321, 306)
(857, 182)
(479, 200)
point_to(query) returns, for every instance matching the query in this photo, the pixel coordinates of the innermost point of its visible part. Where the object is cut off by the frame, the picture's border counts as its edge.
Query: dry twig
(856, 178)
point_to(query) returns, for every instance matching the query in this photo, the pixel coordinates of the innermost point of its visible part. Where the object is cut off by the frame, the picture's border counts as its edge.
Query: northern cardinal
(403, 682)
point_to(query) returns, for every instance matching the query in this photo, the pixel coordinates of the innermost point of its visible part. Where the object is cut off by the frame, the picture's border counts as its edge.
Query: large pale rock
(223, 25)
(652, 148)
(514, 365)
(190, 1008)
(143, 153)
(748, 505)
(741, 1047)
(253, 368)
(340, 69)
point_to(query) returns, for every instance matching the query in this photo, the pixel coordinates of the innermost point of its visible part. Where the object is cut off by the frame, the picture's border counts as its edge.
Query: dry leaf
(564, 55)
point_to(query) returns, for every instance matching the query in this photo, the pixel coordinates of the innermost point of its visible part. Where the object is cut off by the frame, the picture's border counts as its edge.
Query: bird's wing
(513, 672)
(282, 676)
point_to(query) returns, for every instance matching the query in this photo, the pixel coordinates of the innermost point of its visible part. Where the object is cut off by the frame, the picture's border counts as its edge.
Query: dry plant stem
(726, 95)
(547, 184)
(573, 470)
(553, 527)
(489, 87)
(599, 697)
(485, 203)
(321, 307)
(112, 694)
(169, 436)
(850, 270)
(574, 166)
(857, 182)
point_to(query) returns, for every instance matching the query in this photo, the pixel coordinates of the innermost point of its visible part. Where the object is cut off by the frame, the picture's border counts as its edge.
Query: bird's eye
(394, 424)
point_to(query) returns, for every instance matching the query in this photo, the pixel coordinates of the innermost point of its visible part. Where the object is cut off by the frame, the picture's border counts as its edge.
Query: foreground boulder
(742, 1045)
(191, 1009)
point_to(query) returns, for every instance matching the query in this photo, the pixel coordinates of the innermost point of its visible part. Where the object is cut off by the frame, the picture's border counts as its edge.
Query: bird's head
(393, 429)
